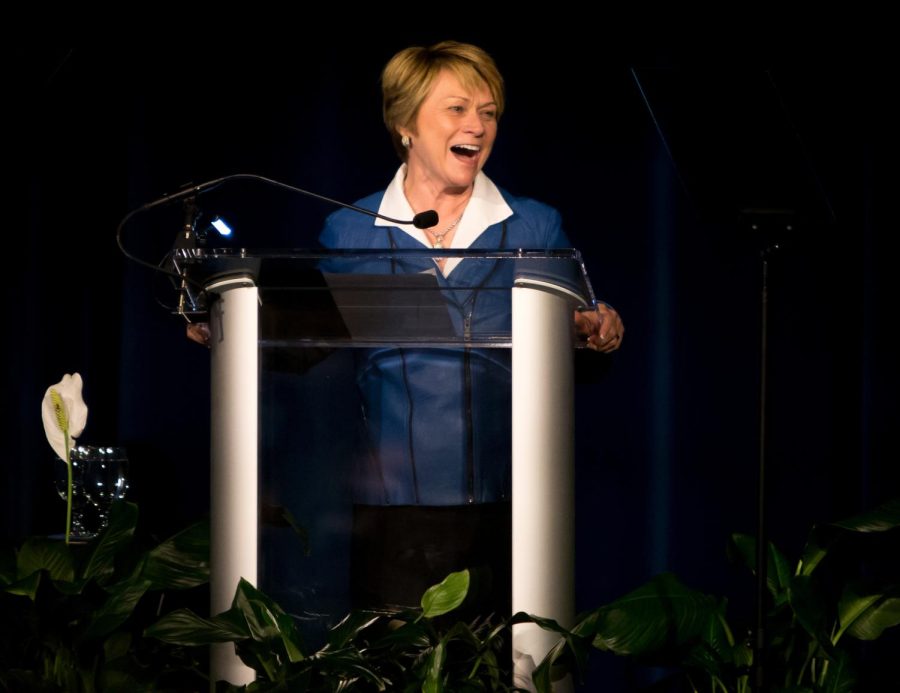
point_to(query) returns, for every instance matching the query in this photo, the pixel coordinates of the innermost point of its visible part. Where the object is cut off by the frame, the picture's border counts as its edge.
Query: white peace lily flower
(64, 413)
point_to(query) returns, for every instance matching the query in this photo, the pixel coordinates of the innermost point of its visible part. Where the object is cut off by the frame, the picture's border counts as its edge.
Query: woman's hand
(198, 332)
(603, 328)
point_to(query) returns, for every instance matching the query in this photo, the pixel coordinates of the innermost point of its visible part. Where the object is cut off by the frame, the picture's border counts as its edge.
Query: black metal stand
(759, 646)
(772, 226)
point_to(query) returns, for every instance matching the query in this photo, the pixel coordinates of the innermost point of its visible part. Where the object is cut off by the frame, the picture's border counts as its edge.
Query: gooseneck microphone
(422, 220)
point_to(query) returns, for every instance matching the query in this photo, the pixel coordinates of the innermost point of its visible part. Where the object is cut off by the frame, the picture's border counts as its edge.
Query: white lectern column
(543, 491)
(233, 452)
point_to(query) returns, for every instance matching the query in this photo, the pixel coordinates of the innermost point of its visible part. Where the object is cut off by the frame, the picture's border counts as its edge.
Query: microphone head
(425, 220)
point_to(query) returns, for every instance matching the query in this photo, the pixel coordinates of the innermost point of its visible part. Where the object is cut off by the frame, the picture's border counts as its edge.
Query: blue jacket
(438, 420)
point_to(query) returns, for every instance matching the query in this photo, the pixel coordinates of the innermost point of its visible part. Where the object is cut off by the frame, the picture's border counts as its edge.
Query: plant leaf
(117, 607)
(820, 540)
(258, 610)
(290, 638)
(811, 611)
(661, 615)
(434, 670)
(881, 519)
(409, 635)
(877, 615)
(349, 627)
(840, 677)
(184, 627)
(447, 595)
(123, 518)
(41, 553)
(542, 676)
(182, 561)
(778, 570)
(852, 605)
(116, 646)
(267, 622)
(26, 587)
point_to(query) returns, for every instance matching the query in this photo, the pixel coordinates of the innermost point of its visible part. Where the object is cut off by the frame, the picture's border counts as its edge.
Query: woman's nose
(473, 123)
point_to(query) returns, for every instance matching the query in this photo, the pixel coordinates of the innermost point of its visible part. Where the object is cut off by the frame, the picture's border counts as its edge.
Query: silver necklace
(439, 237)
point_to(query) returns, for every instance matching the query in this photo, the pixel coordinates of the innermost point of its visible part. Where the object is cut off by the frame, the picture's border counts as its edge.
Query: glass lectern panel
(385, 402)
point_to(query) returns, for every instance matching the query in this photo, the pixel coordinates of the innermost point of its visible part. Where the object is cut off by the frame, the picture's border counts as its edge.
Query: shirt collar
(486, 207)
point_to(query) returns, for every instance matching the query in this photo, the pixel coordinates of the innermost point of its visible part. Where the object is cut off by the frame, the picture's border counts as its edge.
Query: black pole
(772, 226)
(759, 648)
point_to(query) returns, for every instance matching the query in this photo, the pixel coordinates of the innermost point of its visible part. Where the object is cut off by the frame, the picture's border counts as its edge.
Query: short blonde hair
(409, 75)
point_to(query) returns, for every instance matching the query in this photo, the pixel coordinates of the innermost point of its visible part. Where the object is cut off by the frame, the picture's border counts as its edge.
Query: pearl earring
(405, 141)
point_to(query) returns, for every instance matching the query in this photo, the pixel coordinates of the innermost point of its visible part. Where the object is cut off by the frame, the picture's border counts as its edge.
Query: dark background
(668, 427)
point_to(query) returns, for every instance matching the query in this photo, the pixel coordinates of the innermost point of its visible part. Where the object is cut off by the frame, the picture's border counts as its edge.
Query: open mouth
(469, 151)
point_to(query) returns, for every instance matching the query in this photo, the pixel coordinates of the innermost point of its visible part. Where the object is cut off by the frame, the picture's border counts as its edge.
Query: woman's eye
(489, 115)
(457, 109)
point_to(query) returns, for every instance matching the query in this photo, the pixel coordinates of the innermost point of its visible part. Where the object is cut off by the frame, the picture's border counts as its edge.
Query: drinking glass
(98, 479)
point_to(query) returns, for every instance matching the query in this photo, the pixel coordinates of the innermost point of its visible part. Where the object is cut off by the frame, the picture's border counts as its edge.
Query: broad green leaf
(879, 615)
(447, 595)
(184, 627)
(820, 540)
(717, 642)
(461, 633)
(543, 674)
(778, 570)
(349, 627)
(266, 621)
(348, 666)
(714, 652)
(117, 607)
(852, 605)
(489, 663)
(571, 653)
(118, 533)
(26, 587)
(434, 670)
(42, 553)
(660, 615)
(182, 561)
(547, 623)
(811, 610)
(258, 610)
(410, 635)
(116, 645)
(840, 677)
(70, 588)
(290, 638)
(881, 519)
(823, 538)
(742, 655)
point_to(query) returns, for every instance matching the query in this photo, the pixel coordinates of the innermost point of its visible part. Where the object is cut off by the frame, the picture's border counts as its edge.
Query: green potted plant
(74, 614)
(819, 607)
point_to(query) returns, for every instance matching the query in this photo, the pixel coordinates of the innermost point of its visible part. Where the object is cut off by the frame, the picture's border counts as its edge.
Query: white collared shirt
(485, 208)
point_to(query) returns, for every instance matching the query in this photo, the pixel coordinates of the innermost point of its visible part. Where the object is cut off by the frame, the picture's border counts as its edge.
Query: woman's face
(455, 131)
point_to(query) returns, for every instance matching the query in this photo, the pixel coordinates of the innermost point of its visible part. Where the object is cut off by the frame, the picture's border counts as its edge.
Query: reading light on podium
(221, 226)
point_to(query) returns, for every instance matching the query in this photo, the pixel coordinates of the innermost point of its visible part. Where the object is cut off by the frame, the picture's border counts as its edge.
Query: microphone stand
(771, 226)
(186, 239)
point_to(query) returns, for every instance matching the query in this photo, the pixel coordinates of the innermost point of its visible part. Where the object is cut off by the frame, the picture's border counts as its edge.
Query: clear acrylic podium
(288, 332)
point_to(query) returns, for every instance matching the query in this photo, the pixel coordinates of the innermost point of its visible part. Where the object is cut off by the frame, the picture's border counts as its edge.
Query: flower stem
(68, 488)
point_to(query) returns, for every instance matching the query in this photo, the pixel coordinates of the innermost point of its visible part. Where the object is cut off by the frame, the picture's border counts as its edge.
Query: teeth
(469, 147)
